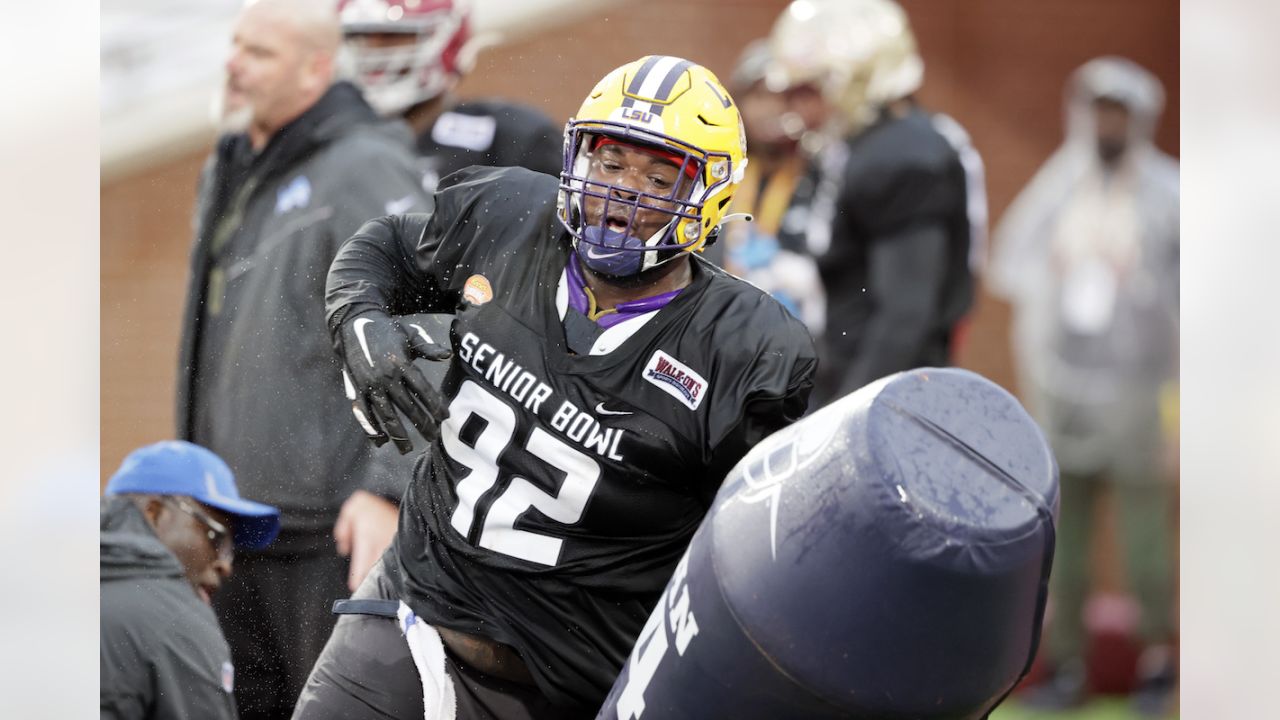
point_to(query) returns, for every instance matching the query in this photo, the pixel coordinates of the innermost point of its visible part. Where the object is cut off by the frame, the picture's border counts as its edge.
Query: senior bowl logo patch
(676, 379)
(477, 291)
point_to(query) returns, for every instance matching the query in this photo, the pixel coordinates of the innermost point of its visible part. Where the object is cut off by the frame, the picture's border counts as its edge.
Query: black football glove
(378, 351)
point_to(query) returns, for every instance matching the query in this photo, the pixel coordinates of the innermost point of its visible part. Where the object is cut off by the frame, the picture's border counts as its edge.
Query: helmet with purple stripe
(670, 109)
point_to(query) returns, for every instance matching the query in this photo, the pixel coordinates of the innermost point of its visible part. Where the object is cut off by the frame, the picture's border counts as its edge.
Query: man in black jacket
(304, 163)
(170, 518)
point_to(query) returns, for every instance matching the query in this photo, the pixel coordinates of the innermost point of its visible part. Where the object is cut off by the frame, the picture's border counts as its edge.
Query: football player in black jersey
(603, 380)
(893, 208)
(407, 55)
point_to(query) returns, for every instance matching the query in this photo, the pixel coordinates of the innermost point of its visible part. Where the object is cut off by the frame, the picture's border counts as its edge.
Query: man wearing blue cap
(171, 518)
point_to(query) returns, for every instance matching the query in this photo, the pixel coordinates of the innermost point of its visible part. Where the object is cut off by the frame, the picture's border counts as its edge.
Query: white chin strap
(650, 259)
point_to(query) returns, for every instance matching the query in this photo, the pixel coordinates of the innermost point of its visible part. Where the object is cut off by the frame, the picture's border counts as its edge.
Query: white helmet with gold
(860, 54)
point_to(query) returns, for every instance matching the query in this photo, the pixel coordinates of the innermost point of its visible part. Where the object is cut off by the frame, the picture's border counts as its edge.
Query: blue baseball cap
(177, 467)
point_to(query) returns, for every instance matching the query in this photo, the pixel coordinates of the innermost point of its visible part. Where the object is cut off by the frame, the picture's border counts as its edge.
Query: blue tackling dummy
(886, 557)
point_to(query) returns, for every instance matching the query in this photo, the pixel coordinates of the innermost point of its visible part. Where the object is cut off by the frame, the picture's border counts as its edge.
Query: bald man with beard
(303, 161)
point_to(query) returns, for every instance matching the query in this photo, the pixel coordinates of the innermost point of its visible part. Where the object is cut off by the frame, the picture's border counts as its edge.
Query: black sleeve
(761, 417)
(404, 264)
(781, 379)
(375, 270)
(905, 273)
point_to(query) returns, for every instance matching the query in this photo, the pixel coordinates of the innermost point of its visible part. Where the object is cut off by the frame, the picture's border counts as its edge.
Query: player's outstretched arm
(376, 270)
(373, 273)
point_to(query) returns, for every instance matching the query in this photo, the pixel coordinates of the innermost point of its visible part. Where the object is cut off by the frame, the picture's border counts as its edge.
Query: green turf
(1100, 709)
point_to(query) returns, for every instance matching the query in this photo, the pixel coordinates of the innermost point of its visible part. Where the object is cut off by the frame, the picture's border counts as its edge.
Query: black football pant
(366, 672)
(274, 611)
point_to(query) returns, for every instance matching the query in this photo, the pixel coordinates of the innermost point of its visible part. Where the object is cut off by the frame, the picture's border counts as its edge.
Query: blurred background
(160, 70)
(997, 66)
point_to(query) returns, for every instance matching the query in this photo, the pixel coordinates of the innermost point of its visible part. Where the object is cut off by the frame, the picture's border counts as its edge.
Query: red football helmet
(397, 73)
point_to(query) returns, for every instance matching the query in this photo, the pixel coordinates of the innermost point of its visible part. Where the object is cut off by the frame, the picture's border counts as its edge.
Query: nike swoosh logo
(395, 207)
(591, 253)
(364, 344)
(422, 332)
(600, 409)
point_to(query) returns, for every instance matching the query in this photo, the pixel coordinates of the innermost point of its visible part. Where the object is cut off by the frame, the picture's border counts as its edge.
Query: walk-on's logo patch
(676, 379)
(228, 676)
(477, 291)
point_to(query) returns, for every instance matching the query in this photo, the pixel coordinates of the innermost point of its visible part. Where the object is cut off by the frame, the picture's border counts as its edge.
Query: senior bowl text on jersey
(526, 389)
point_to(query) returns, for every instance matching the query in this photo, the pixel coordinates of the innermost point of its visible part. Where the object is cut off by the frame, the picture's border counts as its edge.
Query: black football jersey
(895, 181)
(563, 488)
(900, 171)
(489, 132)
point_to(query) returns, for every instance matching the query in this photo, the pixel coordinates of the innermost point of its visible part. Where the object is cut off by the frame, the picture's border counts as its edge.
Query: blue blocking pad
(886, 557)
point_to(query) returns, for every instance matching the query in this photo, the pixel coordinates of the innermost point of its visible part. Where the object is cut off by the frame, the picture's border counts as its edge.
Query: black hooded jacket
(258, 383)
(162, 652)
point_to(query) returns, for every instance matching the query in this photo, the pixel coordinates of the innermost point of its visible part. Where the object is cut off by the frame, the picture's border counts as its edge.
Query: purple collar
(580, 299)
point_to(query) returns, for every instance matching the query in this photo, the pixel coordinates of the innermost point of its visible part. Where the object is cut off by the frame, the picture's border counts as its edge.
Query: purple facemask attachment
(618, 253)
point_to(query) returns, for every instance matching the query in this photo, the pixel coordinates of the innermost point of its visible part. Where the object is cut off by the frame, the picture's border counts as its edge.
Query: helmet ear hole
(712, 237)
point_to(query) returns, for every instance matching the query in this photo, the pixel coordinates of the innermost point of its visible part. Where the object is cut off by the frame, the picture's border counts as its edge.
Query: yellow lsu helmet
(680, 110)
(860, 53)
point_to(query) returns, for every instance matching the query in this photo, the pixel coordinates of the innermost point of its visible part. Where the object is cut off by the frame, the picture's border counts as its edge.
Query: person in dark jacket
(893, 207)
(171, 516)
(303, 163)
